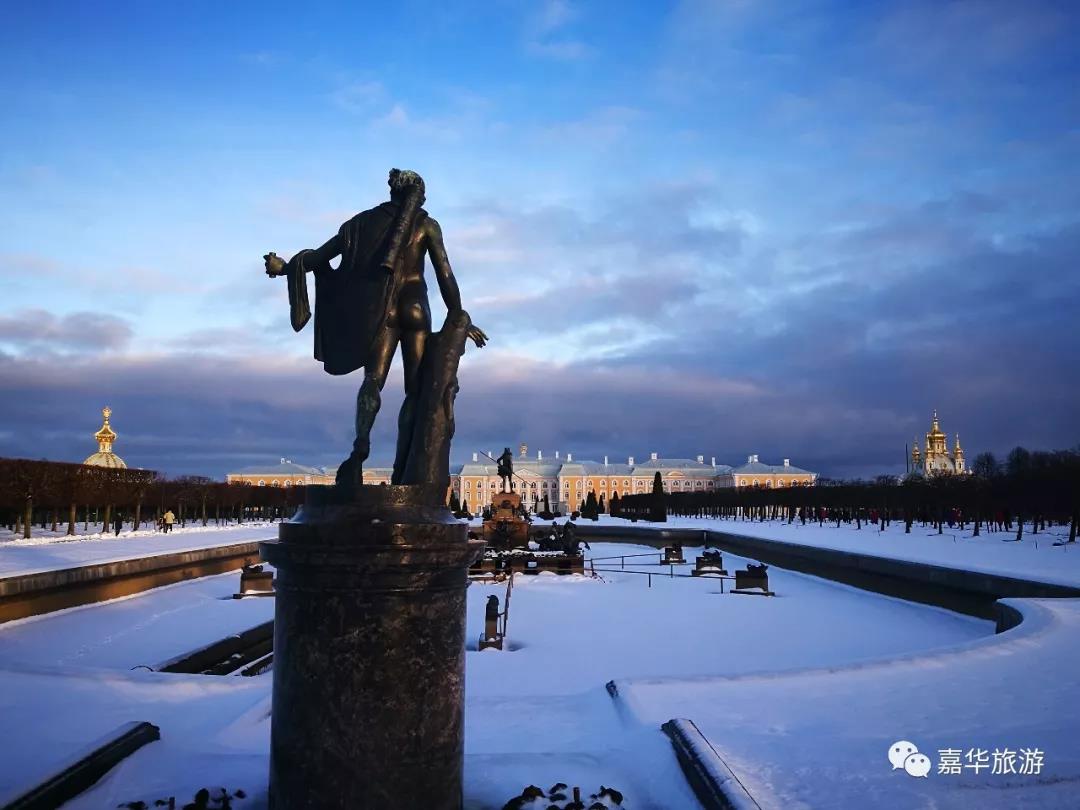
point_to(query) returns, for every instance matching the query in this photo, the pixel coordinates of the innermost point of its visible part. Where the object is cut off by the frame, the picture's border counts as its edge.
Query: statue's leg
(412, 352)
(368, 401)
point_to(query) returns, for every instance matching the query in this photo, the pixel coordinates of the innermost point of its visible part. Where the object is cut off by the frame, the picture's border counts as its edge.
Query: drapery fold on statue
(351, 302)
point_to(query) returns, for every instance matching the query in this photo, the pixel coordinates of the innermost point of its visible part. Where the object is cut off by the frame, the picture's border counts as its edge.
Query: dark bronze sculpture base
(369, 651)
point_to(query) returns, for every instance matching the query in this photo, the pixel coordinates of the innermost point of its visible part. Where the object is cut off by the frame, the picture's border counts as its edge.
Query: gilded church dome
(105, 457)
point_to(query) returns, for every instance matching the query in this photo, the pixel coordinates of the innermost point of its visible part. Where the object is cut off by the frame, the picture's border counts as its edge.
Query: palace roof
(283, 467)
(757, 468)
(685, 465)
(544, 468)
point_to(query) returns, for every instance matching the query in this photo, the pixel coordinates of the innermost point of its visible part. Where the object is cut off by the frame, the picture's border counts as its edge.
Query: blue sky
(723, 228)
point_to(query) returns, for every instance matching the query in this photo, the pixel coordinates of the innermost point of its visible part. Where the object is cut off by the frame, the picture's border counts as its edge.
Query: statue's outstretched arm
(330, 249)
(451, 295)
(276, 266)
(447, 283)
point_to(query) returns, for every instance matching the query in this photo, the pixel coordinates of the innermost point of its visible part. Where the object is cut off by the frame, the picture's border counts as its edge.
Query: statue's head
(404, 182)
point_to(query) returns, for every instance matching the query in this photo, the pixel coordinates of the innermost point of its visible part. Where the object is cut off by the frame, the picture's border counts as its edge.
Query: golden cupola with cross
(105, 457)
(936, 459)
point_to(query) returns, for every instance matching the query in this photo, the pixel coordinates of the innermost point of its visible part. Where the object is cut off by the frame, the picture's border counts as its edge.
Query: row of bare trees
(1036, 489)
(50, 494)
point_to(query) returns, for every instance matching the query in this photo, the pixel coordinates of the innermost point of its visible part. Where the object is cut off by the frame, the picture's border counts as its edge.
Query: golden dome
(105, 457)
(109, 459)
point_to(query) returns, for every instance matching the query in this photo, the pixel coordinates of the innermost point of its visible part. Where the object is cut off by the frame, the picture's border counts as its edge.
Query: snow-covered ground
(1034, 557)
(802, 694)
(821, 737)
(46, 551)
(536, 712)
(622, 625)
(141, 630)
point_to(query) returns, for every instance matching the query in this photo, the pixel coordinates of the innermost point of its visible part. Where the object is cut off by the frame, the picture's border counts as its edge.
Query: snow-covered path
(50, 552)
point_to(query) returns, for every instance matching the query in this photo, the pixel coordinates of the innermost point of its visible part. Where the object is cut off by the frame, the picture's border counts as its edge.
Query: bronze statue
(505, 464)
(374, 300)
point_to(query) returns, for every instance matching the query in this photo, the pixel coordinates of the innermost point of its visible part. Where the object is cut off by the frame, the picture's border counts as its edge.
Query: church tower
(936, 459)
(105, 457)
(936, 440)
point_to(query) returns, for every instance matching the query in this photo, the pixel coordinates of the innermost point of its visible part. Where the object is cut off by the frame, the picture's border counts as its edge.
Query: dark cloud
(987, 337)
(38, 329)
(598, 300)
(638, 258)
(827, 348)
(181, 413)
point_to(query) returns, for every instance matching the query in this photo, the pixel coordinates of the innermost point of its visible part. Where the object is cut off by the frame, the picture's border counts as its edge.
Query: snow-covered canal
(572, 633)
(587, 630)
(141, 630)
(536, 711)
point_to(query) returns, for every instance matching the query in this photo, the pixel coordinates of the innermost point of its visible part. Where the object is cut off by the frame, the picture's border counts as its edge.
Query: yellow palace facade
(563, 480)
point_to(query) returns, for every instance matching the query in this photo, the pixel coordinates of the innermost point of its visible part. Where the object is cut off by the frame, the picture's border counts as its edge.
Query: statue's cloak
(351, 302)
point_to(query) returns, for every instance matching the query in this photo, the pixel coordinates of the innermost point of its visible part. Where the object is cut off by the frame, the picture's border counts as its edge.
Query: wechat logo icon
(904, 755)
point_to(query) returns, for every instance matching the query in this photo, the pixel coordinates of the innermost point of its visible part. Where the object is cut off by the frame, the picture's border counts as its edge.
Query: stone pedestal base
(369, 651)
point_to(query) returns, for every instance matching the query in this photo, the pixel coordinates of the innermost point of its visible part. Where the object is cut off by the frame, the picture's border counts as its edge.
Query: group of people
(166, 521)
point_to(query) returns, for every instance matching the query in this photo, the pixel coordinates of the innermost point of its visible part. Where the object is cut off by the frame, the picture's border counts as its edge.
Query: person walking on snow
(169, 519)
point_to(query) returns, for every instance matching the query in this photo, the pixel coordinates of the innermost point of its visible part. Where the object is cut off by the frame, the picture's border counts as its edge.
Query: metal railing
(669, 575)
(622, 558)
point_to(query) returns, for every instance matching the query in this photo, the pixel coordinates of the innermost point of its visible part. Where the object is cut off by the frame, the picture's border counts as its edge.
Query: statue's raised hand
(476, 334)
(275, 265)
